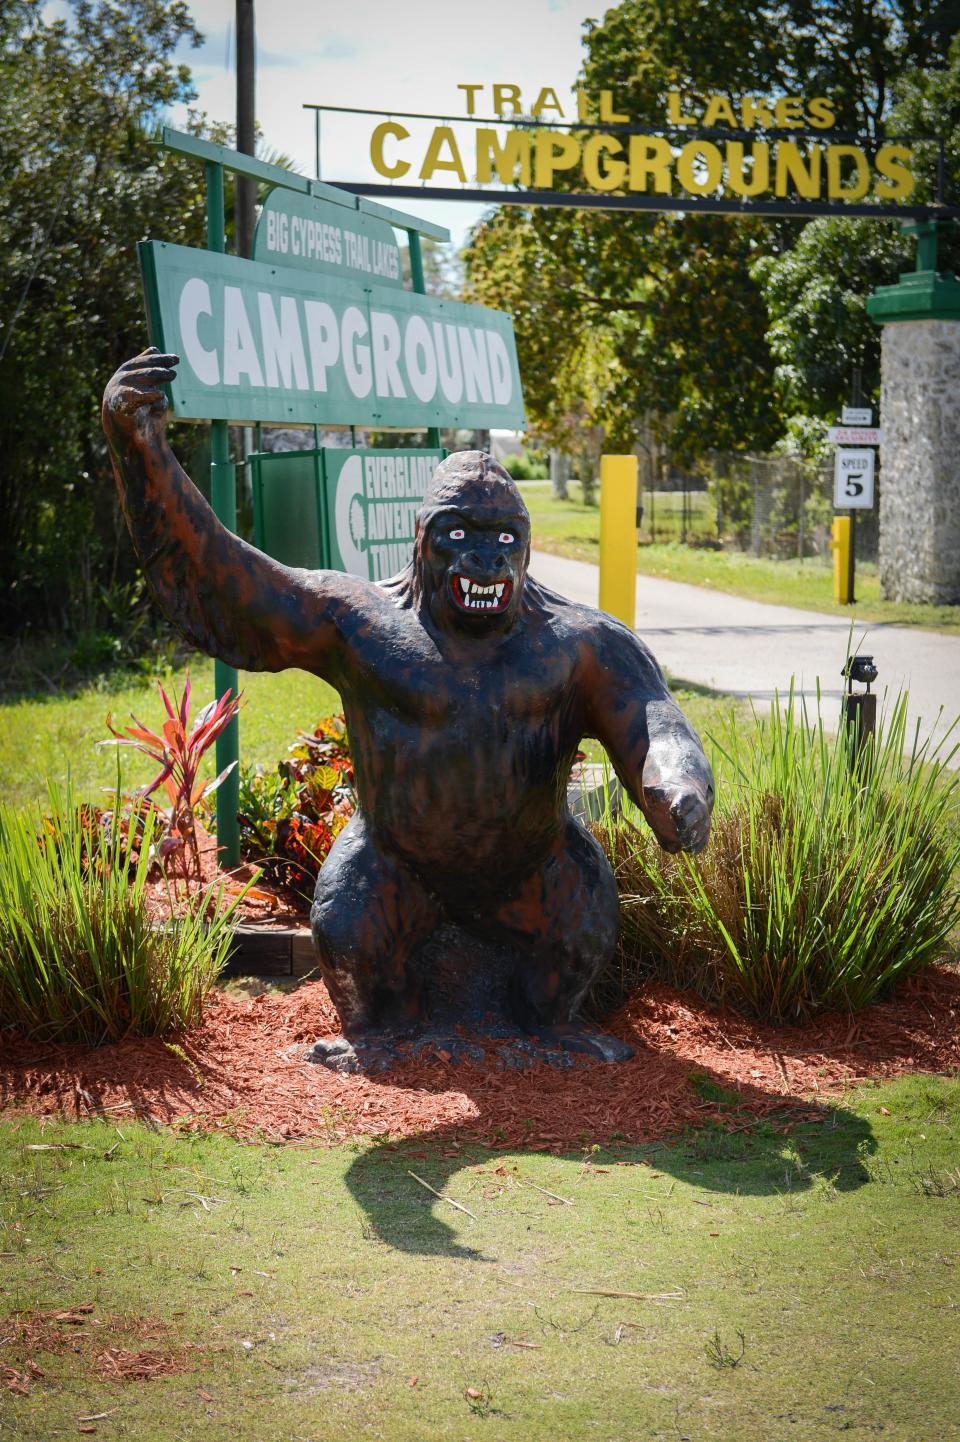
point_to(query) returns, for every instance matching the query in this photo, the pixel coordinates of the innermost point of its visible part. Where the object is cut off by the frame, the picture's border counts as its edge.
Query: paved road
(752, 649)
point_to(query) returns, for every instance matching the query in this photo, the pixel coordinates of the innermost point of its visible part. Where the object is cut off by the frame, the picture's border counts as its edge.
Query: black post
(246, 124)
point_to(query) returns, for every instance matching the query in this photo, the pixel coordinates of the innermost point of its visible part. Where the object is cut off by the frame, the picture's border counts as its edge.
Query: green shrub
(823, 884)
(528, 465)
(80, 959)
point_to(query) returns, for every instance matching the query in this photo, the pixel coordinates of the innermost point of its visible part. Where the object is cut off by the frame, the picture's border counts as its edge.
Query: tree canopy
(711, 330)
(81, 181)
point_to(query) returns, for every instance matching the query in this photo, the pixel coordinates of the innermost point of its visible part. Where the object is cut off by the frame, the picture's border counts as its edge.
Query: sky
(406, 54)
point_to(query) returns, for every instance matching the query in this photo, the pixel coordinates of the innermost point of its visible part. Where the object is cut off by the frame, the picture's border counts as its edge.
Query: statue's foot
(366, 1054)
(578, 1038)
(446, 1047)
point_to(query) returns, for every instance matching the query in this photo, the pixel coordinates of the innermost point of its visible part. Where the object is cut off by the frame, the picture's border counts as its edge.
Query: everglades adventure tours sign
(327, 338)
(774, 156)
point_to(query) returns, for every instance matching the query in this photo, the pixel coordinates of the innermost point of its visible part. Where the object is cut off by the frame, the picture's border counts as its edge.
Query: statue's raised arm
(227, 597)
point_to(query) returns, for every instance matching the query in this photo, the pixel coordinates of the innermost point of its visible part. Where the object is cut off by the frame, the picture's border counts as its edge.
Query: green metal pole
(223, 499)
(417, 281)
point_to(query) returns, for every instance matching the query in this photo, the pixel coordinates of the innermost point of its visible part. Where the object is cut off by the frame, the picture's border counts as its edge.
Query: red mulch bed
(242, 1072)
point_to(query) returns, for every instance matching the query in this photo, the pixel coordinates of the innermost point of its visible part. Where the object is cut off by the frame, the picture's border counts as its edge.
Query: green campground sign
(295, 344)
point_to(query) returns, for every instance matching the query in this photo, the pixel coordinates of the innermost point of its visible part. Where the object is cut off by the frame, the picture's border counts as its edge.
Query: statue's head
(473, 544)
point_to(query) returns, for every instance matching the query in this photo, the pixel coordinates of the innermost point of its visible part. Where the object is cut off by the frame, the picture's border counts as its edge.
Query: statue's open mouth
(474, 596)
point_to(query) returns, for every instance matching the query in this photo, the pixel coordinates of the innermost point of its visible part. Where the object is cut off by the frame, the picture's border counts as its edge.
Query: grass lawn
(51, 735)
(569, 528)
(774, 1286)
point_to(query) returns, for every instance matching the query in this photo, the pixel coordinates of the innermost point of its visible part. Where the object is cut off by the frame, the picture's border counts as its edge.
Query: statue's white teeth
(481, 598)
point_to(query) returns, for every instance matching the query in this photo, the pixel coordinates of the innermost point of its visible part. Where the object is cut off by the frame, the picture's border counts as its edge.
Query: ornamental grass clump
(827, 878)
(80, 958)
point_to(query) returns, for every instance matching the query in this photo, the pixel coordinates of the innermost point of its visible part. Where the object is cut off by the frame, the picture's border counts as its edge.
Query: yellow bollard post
(840, 546)
(618, 537)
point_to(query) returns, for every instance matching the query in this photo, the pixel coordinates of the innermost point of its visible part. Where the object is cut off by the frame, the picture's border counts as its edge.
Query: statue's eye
(505, 538)
(457, 534)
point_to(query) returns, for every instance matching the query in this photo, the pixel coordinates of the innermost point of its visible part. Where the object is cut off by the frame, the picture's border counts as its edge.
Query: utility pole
(246, 124)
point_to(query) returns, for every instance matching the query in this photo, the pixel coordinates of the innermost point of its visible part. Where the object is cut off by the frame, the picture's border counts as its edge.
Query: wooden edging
(271, 951)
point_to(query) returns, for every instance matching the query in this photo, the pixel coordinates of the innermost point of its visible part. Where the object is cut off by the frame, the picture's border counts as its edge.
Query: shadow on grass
(790, 1150)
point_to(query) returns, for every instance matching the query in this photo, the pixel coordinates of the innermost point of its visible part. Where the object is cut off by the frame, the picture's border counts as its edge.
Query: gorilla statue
(462, 892)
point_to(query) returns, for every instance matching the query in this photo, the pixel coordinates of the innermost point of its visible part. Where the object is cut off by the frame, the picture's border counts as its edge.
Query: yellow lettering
(900, 181)
(803, 172)
(543, 102)
(675, 111)
(506, 95)
(399, 167)
(650, 156)
(820, 113)
(836, 190)
(433, 161)
(607, 113)
(471, 91)
(740, 179)
(699, 167)
(510, 159)
(719, 108)
(755, 113)
(583, 104)
(788, 110)
(614, 175)
(553, 152)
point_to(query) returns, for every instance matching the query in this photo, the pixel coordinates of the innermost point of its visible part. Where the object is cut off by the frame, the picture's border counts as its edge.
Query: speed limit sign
(853, 479)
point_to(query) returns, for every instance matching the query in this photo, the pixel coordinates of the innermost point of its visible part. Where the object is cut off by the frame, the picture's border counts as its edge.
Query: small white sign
(857, 415)
(853, 480)
(855, 435)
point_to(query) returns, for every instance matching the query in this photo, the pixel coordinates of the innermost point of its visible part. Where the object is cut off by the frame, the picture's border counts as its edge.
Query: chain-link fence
(770, 505)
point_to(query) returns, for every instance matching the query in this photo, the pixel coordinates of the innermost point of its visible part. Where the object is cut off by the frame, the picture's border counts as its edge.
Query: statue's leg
(564, 921)
(369, 913)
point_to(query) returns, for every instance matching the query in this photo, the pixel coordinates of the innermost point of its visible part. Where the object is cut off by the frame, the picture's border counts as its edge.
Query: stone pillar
(920, 416)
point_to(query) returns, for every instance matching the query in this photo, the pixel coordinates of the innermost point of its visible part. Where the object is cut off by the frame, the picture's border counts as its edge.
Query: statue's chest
(519, 683)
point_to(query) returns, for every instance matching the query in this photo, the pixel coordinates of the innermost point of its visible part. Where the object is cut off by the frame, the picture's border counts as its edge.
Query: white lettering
(195, 302)
(385, 337)
(451, 374)
(356, 357)
(239, 349)
(421, 359)
(476, 366)
(499, 368)
(282, 343)
(323, 339)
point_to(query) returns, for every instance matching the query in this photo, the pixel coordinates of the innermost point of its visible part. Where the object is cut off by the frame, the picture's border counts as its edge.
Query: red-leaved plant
(179, 749)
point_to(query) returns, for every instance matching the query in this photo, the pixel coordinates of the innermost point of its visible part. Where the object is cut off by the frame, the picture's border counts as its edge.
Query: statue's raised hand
(134, 406)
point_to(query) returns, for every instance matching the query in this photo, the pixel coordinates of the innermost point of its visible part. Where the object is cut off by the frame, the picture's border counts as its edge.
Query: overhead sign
(723, 153)
(261, 343)
(855, 435)
(372, 498)
(299, 230)
(853, 480)
(857, 415)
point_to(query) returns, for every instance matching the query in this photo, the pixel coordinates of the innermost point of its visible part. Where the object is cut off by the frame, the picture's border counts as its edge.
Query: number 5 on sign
(853, 480)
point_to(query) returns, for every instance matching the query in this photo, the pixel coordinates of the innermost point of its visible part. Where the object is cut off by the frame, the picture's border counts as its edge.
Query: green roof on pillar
(921, 294)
